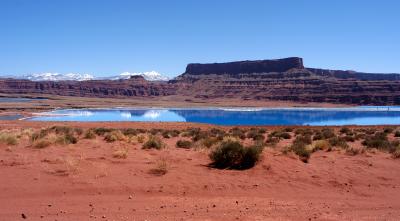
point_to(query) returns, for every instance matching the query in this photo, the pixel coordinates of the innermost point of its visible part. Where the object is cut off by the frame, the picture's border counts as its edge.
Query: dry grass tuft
(161, 168)
(8, 139)
(121, 153)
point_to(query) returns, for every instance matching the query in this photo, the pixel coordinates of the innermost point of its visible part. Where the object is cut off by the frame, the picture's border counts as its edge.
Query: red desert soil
(84, 182)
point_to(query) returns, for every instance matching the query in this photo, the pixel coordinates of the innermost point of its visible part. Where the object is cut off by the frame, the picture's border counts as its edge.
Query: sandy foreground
(84, 181)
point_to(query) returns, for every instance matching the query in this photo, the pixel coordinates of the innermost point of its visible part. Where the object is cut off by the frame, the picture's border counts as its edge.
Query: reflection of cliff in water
(276, 117)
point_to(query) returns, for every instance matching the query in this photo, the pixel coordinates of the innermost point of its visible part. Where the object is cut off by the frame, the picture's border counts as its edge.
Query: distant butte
(267, 80)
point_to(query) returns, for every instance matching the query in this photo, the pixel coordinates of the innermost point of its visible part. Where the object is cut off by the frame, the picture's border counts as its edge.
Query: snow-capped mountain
(150, 76)
(58, 77)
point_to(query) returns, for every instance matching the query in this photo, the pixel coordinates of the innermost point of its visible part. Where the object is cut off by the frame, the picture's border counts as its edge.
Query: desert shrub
(262, 130)
(284, 135)
(255, 134)
(186, 144)
(272, 141)
(378, 141)
(304, 139)
(40, 134)
(352, 151)
(9, 139)
(323, 134)
(192, 131)
(174, 133)
(40, 144)
(155, 131)
(100, 131)
(166, 134)
(141, 138)
(61, 129)
(89, 134)
(388, 130)
(327, 133)
(115, 135)
(396, 151)
(299, 148)
(360, 136)
(216, 132)
(109, 138)
(121, 153)
(70, 138)
(78, 131)
(200, 135)
(338, 142)
(209, 141)
(321, 145)
(345, 130)
(153, 143)
(237, 132)
(304, 131)
(66, 139)
(161, 168)
(288, 129)
(349, 138)
(370, 131)
(251, 156)
(232, 155)
(130, 132)
(397, 133)
(280, 135)
(318, 136)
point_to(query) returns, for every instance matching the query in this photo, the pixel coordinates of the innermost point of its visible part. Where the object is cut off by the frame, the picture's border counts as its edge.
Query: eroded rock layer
(281, 80)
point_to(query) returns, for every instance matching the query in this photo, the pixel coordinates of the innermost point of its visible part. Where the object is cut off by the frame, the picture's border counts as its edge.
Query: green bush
(232, 155)
(304, 139)
(61, 129)
(237, 132)
(255, 134)
(100, 131)
(130, 132)
(397, 133)
(186, 144)
(153, 143)
(304, 131)
(378, 141)
(272, 141)
(345, 130)
(66, 139)
(299, 148)
(338, 142)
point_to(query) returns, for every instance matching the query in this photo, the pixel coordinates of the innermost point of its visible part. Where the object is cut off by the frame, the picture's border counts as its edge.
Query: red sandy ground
(84, 182)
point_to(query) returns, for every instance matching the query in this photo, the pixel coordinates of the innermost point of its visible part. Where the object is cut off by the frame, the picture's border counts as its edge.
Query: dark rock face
(280, 80)
(246, 67)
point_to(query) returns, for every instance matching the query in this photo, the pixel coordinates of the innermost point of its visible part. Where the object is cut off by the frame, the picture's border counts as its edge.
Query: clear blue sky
(110, 37)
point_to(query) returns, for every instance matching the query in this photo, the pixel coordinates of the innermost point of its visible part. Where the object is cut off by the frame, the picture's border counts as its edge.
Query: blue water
(235, 116)
(18, 99)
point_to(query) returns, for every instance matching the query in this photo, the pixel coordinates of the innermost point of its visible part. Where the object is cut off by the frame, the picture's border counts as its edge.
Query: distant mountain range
(150, 76)
(262, 80)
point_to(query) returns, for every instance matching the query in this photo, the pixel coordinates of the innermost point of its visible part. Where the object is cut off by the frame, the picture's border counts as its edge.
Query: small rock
(23, 216)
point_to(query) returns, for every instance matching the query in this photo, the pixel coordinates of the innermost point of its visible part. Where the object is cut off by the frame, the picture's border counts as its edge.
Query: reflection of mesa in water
(240, 116)
(153, 114)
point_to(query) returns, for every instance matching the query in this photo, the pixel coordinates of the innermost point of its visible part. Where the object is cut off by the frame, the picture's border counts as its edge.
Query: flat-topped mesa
(246, 67)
